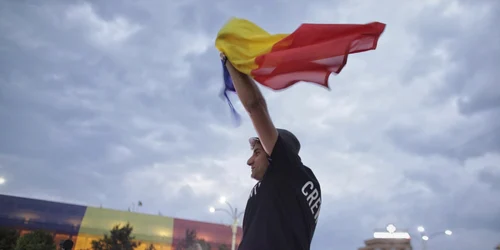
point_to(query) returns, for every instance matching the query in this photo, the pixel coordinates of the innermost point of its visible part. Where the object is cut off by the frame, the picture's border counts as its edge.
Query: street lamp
(233, 212)
(2, 180)
(426, 237)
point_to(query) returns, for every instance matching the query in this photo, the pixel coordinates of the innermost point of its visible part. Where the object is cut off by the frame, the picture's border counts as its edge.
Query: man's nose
(250, 161)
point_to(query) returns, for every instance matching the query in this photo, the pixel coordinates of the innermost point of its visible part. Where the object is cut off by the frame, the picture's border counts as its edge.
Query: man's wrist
(223, 58)
(230, 67)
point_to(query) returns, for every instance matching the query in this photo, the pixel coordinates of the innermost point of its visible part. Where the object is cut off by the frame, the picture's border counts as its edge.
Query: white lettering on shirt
(254, 190)
(312, 197)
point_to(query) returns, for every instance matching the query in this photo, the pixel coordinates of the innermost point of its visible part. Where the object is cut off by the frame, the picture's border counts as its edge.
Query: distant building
(390, 239)
(387, 244)
(83, 224)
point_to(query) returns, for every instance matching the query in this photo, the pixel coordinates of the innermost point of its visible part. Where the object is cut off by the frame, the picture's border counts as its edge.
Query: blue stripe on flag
(229, 86)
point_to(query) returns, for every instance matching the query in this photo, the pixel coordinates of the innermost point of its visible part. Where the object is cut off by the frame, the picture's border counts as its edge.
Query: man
(283, 207)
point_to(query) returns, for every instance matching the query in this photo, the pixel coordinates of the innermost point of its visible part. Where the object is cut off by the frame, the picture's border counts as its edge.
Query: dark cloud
(491, 176)
(470, 45)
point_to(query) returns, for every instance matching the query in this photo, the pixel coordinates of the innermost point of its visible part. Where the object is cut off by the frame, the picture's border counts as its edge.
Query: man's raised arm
(255, 104)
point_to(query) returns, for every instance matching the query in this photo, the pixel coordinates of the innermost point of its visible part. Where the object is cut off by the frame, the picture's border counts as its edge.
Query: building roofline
(113, 209)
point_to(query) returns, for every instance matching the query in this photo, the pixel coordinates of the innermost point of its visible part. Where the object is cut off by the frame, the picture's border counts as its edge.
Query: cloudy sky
(111, 102)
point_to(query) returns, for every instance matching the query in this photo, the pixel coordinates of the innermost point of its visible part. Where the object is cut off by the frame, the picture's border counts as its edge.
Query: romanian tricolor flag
(311, 53)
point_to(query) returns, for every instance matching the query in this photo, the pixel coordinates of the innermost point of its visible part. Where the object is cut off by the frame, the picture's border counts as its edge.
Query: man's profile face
(258, 162)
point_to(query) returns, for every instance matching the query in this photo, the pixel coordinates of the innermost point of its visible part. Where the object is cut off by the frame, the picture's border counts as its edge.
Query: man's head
(259, 160)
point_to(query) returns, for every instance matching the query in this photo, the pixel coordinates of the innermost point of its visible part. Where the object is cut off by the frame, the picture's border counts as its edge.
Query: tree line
(119, 238)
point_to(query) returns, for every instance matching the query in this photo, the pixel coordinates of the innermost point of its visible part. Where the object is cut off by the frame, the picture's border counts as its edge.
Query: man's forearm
(253, 101)
(247, 90)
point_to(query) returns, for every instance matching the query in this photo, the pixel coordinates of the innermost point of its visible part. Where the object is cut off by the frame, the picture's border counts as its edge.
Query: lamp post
(233, 212)
(425, 237)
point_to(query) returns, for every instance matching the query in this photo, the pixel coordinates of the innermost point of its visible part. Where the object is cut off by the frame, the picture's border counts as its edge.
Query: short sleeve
(283, 158)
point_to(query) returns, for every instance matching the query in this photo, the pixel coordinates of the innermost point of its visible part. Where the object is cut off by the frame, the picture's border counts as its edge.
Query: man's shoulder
(308, 171)
(284, 147)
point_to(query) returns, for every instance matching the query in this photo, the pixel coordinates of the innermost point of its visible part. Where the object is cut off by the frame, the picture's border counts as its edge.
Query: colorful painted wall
(83, 224)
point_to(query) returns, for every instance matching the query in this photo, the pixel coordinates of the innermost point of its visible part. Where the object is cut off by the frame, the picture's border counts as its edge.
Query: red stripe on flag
(314, 51)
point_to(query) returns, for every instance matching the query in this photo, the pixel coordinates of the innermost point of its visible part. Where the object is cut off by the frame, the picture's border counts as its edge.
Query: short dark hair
(288, 137)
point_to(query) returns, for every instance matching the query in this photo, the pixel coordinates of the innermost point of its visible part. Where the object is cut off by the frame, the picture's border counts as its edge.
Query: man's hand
(232, 70)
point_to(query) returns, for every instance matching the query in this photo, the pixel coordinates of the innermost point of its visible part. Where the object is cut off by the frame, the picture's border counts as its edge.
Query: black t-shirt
(283, 208)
